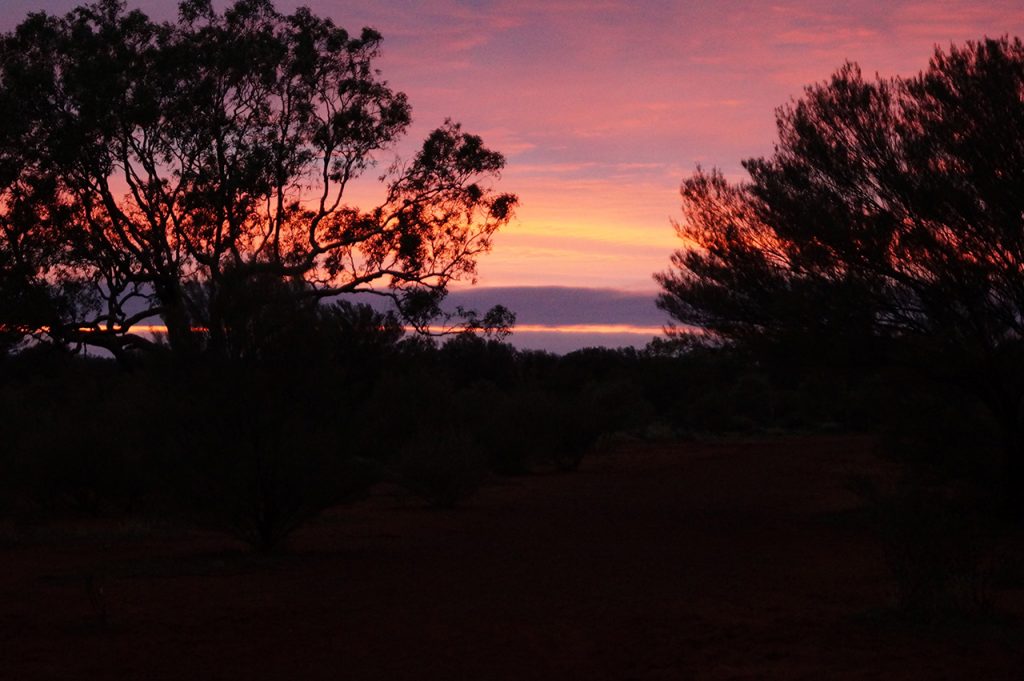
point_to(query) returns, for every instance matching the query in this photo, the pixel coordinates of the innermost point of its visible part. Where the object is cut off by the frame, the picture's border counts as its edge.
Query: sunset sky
(603, 107)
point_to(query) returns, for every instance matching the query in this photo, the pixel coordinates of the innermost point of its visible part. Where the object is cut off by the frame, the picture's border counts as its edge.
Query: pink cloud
(602, 107)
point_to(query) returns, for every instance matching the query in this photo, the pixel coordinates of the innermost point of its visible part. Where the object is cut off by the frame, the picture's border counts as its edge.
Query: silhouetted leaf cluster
(886, 228)
(156, 171)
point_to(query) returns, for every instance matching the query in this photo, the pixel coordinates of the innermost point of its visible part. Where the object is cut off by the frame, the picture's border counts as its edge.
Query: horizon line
(631, 329)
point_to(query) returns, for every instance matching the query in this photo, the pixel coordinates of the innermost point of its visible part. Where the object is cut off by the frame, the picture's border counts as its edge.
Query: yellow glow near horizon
(525, 328)
(590, 329)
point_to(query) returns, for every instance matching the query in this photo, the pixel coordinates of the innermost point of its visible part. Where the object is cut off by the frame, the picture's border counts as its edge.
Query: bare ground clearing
(731, 560)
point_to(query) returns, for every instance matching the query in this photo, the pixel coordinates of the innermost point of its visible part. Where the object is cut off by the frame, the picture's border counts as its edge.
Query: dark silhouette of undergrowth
(443, 466)
(322, 402)
(940, 548)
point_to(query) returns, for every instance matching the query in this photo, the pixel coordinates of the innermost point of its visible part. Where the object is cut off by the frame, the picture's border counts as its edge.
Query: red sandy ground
(682, 561)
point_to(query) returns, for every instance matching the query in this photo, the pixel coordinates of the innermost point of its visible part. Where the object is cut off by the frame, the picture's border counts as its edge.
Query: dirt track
(697, 561)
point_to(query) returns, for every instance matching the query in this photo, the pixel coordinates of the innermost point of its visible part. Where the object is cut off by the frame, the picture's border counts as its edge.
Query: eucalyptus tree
(172, 165)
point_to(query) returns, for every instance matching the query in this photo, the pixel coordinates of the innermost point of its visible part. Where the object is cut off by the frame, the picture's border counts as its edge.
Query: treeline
(318, 408)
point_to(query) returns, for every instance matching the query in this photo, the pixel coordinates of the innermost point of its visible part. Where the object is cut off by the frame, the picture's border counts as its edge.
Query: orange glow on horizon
(590, 329)
(636, 329)
(525, 328)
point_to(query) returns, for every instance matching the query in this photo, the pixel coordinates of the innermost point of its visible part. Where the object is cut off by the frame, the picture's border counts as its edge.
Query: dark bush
(443, 465)
(255, 455)
(75, 437)
(940, 550)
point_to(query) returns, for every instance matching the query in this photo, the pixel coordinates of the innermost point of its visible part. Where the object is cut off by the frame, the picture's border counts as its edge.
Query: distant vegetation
(256, 448)
(868, 277)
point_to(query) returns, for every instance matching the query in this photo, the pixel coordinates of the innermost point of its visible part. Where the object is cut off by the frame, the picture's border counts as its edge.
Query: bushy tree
(892, 211)
(166, 166)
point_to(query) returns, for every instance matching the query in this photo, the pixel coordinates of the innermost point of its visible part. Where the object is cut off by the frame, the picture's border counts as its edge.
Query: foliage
(74, 435)
(319, 403)
(255, 452)
(888, 225)
(940, 546)
(156, 169)
(442, 464)
(894, 197)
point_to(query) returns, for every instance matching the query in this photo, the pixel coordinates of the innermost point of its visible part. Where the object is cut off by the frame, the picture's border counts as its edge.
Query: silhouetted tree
(189, 159)
(27, 218)
(25, 306)
(890, 210)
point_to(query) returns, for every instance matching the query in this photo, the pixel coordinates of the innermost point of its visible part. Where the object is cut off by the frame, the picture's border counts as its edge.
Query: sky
(602, 107)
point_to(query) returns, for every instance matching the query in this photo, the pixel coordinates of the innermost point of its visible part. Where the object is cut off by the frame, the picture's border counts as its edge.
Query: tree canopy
(893, 204)
(890, 209)
(159, 169)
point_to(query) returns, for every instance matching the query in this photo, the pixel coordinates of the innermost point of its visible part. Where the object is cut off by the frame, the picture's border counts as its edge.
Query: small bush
(442, 465)
(75, 443)
(939, 548)
(252, 457)
(525, 428)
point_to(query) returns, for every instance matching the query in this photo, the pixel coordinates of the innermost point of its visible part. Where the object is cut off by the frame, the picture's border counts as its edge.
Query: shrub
(442, 465)
(74, 440)
(252, 456)
(940, 543)
(939, 554)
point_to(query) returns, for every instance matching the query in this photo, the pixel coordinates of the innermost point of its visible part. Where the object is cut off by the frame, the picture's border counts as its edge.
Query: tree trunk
(1013, 474)
(1005, 402)
(217, 342)
(177, 320)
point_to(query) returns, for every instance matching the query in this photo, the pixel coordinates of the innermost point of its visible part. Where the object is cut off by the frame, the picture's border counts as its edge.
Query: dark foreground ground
(694, 561)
